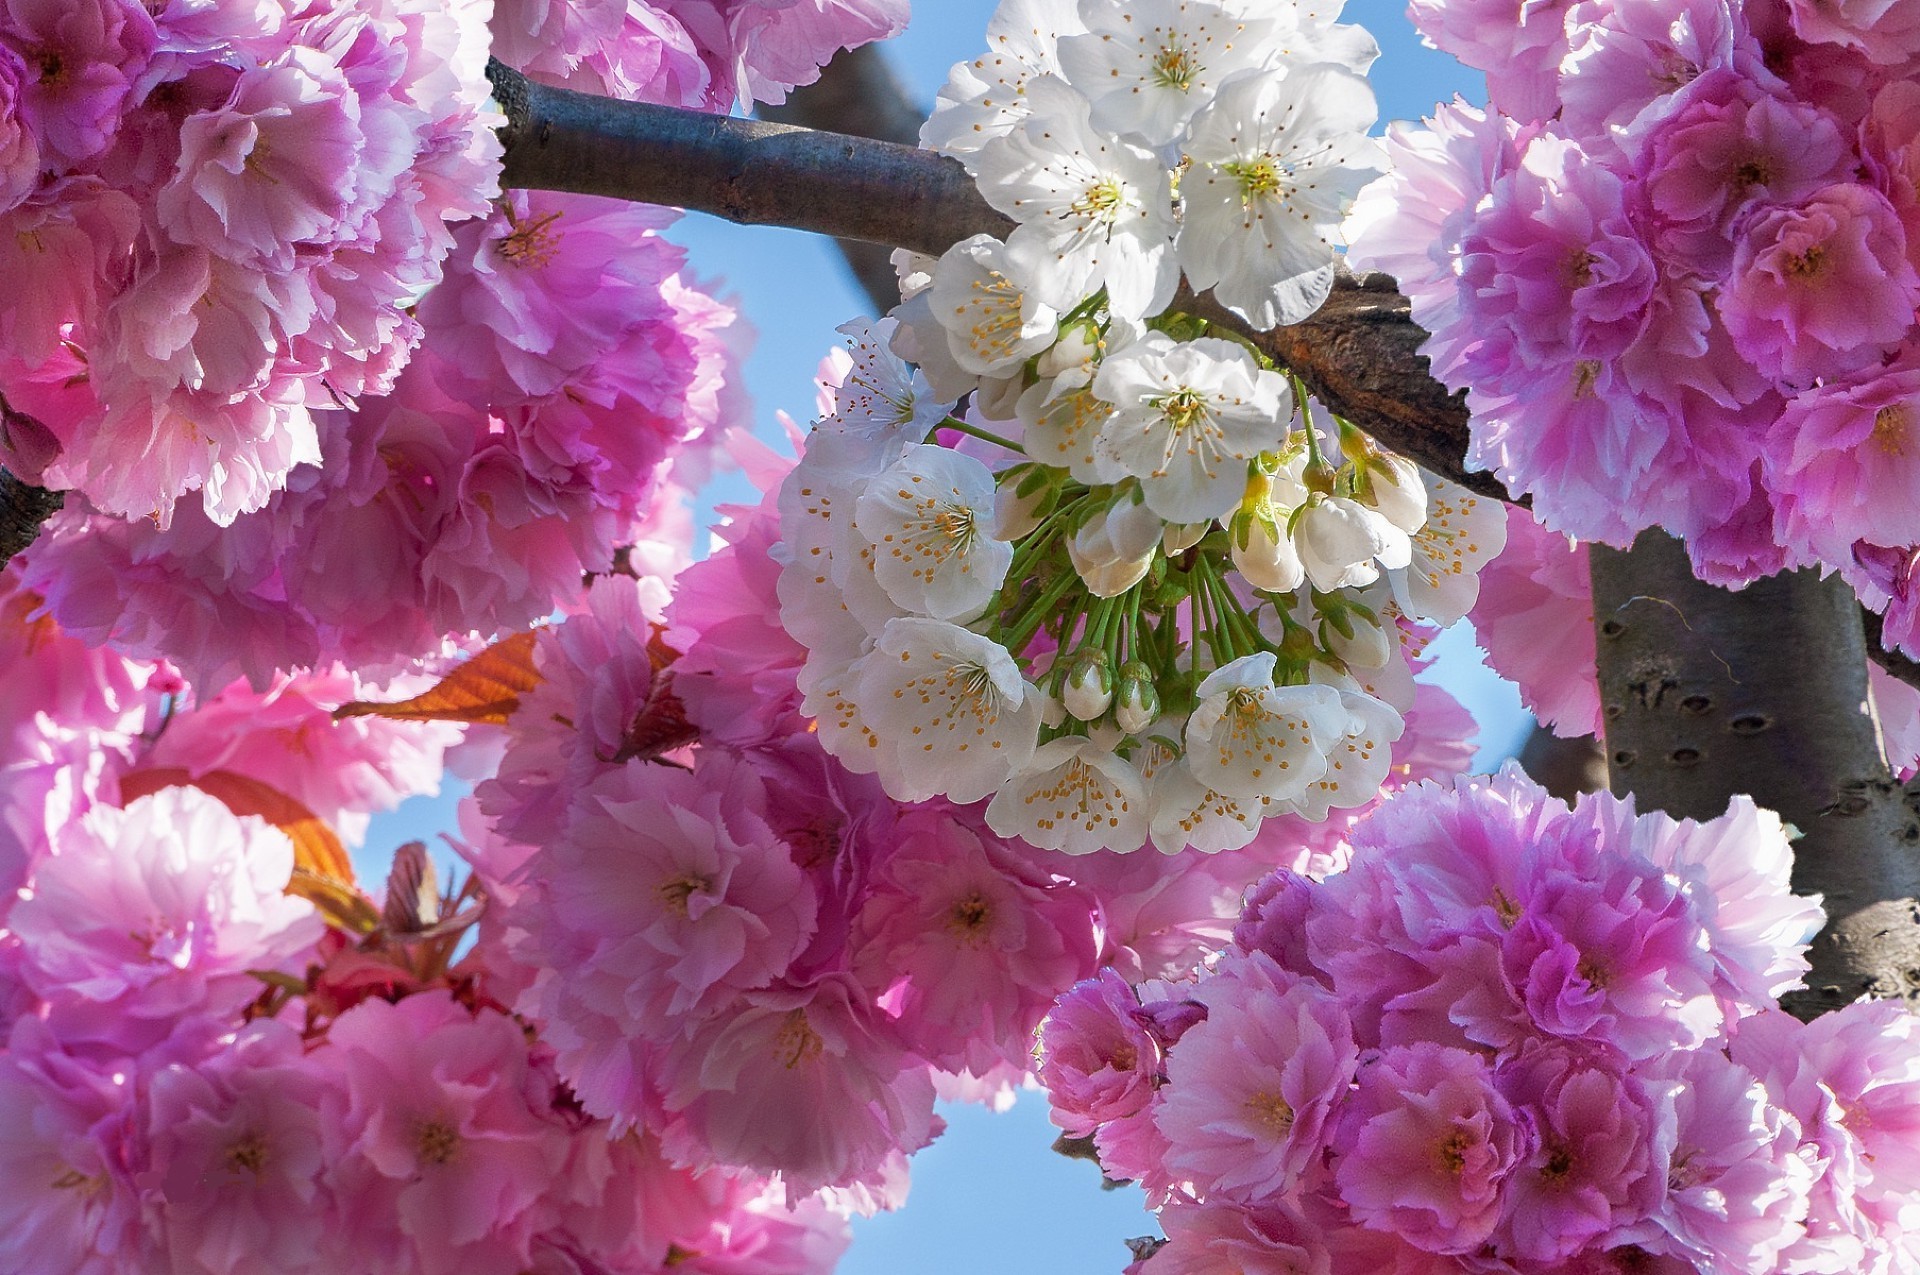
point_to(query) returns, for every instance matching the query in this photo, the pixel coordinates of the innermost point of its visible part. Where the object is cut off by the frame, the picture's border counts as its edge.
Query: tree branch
(857, 93)
(1707, 693)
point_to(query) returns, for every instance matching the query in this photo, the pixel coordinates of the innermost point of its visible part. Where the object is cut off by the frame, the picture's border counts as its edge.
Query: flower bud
(1113, 550)
(1089, 689)
(1263, 552)
(1396, 490)
(1182, 536)
(1021, 501)
(1364, 645)
(1137, 701)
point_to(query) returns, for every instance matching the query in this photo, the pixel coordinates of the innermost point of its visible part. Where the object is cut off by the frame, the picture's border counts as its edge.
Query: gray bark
(858, 94)
(1707, 693)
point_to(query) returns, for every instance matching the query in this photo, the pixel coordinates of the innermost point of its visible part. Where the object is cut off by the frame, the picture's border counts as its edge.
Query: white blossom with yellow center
(1094, 212)
(1248, 738)
(1187, 416)
(1358, 763)
(949, 708)
(1277, 161)
(1148, 65)
(930, 521)
(1462, 533)
(1076, 796)
(993, 323)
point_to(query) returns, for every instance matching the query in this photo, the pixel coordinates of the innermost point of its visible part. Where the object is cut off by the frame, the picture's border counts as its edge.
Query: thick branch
(1359, 353)
(1707, 693)
(858, 93)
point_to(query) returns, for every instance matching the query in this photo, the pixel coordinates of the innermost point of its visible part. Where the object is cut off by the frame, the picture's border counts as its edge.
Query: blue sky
(989, 1195)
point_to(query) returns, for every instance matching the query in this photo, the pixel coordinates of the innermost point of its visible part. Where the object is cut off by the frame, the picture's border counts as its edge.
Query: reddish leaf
(487, 688)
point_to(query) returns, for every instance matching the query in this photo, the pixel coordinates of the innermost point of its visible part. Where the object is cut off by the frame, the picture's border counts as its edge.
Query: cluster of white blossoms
(1144, 588)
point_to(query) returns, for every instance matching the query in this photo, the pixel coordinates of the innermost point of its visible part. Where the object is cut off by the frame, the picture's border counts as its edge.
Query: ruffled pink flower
(233, 1156)
(88, 54)
(287, 738)
(1844, 460)
(1616, 959)
(1097, 1060)
(1733, 145)
(1591, 1171)
(1820, 287)
(1884, 31)
(1736, 1185)
(548, 286)
(1552, 262)
(596, 680)
(1628, 65)
(1520, 52)
(666, 896)
(19, 149)
(1249, 1091)
(762, 48)
(278, 165)
(65, 1153)
(160, 910)
(805, 1082)
(967, 944)
(438, 1158)
(1426, 1145)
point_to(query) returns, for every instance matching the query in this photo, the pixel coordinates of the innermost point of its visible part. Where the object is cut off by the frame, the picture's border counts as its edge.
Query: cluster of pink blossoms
(1510, 1037)
(1674, 266)
(195, 313)
(202, 1072)
(761, 959)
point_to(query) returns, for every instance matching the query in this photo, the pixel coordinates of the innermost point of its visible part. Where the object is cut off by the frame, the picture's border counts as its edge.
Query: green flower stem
(985, 436)
(1029, 624)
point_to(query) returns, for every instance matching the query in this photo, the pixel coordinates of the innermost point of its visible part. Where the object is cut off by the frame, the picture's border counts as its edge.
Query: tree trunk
(1708, 693)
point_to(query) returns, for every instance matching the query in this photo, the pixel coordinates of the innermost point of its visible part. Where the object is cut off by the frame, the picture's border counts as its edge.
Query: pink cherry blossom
(967, 944)
(1534, 617)
(233, 1156)
(1249, 1091)
(437, 1156)
(1097, 1060)
(1591, 1169)
(1426, 1145)
(65, 1148)
(156, 911)
(1821, 286)
(805, 1082)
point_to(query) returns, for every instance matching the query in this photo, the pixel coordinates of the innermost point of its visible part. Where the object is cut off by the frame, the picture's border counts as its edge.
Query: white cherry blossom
(1094, 211)
(987, 97)
(1062, 414)
(1184, 813)
(1463, 532)
(1358, 763)
(1076, 796)
(1248, 738)
(993, 323)
(1148, 65)
(1339, 540)
(881, 399)
(949, 708)
(1277, 161)
(1113, 550)
(929, 519)
(1187, 417)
